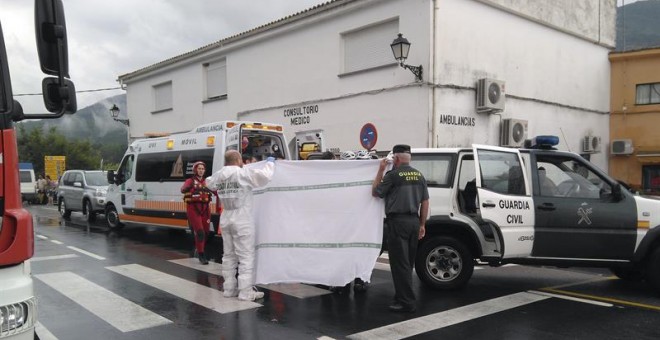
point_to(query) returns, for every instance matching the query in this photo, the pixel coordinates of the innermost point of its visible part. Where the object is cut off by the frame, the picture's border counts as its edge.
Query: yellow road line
(584, 282)
(600, 298)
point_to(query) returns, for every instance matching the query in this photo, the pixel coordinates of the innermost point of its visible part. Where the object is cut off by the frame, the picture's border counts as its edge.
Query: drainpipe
(434, 115)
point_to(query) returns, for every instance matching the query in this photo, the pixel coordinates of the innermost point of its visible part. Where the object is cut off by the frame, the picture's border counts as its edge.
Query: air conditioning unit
(622, 147)
(490, 95)
(591, 144)
(514, 132)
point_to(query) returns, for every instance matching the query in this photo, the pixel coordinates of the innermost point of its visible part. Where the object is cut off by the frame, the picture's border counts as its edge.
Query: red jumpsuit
(198, 198)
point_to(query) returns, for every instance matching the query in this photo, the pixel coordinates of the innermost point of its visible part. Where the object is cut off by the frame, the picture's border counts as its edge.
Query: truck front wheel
(444, 263)
(653, 270)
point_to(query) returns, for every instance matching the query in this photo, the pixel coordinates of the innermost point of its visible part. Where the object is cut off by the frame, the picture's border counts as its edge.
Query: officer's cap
(401, 148)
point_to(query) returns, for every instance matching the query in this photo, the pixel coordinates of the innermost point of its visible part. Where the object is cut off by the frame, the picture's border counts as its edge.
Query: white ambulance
(146, 188)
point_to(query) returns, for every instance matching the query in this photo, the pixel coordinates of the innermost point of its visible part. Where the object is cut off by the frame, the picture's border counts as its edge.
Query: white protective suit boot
(230, 286)
(250, 294)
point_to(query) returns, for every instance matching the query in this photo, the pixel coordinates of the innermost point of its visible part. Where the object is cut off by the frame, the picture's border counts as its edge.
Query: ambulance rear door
(233, 138)
(504, 198)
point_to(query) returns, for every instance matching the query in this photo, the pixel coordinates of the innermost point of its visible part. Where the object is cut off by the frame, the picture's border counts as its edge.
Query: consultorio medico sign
(301, 115)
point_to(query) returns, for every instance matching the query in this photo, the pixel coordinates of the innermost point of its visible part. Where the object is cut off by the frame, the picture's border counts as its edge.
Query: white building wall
(300, 64)
(558, 82)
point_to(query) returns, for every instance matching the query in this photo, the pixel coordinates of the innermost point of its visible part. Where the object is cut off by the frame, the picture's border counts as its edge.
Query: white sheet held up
(316, 222)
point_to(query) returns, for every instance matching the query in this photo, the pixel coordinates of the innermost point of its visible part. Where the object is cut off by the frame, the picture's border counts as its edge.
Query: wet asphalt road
(141, 284)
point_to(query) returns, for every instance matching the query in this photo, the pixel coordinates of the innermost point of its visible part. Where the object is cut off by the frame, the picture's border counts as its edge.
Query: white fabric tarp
(316, 222)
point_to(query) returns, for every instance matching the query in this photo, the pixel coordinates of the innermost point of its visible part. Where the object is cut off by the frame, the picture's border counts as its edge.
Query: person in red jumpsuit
(198, 198)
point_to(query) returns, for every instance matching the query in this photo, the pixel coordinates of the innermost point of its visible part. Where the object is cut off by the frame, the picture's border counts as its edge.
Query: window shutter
(163, 96)
(369, 47)
(216, 79)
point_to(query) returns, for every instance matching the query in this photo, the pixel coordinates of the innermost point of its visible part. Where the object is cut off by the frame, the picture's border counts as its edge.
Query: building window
(648, 94)
(369, 47)
(651, 179)
(216, 79)
(163, 97)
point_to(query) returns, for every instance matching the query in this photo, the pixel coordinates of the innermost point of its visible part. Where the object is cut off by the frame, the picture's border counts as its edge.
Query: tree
(34, 145)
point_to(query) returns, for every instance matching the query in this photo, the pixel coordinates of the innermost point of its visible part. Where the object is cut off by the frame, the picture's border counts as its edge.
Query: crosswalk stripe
(571, 298)
(119, 312)
(451, 317)
(86, 253)
(190, 262)
(193, 292)
(382, 266)
(54, 257)
(43, 332)
(297, 290)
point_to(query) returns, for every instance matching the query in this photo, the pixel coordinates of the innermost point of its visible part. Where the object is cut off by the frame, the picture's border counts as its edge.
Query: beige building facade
(635, 119)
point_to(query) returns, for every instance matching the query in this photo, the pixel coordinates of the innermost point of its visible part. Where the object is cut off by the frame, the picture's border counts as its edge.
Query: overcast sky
(112, 38)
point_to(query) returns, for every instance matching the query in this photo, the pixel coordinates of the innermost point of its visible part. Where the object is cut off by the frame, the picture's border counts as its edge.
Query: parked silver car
(84, 191)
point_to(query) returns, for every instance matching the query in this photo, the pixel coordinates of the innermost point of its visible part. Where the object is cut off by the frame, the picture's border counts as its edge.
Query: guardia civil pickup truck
(535, 206)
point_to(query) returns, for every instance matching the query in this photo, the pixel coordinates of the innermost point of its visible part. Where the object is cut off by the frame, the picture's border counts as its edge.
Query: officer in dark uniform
(406, 208)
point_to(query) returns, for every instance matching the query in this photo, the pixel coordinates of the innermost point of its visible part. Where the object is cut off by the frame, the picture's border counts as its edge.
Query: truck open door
(504, 198)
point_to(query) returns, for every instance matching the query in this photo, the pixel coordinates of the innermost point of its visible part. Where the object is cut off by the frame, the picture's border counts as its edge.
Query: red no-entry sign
(368, 136)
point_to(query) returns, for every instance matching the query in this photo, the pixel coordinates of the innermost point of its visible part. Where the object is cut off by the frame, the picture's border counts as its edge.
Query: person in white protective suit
(234, 184)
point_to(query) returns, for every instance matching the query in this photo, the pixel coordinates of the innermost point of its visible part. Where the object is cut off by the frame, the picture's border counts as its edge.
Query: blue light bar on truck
(544, 142)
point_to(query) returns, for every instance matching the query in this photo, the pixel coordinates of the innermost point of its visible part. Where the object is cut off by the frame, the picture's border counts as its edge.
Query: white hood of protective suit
(234, 184)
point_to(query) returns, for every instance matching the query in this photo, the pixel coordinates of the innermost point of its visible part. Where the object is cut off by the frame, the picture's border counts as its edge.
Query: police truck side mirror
(50, 28)
(616, 192)
(111, 177)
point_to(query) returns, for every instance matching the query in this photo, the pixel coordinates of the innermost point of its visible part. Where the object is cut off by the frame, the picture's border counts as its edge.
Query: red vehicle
(17, 303)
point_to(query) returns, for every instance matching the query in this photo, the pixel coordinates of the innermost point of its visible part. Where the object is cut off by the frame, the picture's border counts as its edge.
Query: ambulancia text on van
(146, 189)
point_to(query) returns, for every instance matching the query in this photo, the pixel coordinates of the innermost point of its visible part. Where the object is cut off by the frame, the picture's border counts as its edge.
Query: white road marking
(297, 290)
(325, 338)
(43, 332)
(190, 262)
(54, 257)
(382, 266)
(570, 298)
(42, 237)
(451, 317)
(56, 242)
(193, 292)
(119, 312)
(98, 257)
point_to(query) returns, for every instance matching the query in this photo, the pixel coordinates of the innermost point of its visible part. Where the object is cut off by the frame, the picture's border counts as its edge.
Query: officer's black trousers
(403, 232)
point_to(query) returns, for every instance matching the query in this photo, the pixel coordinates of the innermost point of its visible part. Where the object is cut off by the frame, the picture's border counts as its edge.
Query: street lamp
(400, 47)
(114, 112)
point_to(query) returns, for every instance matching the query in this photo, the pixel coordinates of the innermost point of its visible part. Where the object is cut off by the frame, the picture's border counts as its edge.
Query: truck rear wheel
(444, 263)
(628, 274)
(653, 270)
(112, 217)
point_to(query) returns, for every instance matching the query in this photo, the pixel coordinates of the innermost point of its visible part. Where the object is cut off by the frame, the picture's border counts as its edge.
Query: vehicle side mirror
(111, 177)
(59, 97)
(616, 192)
(52, 46)
(77, 184)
